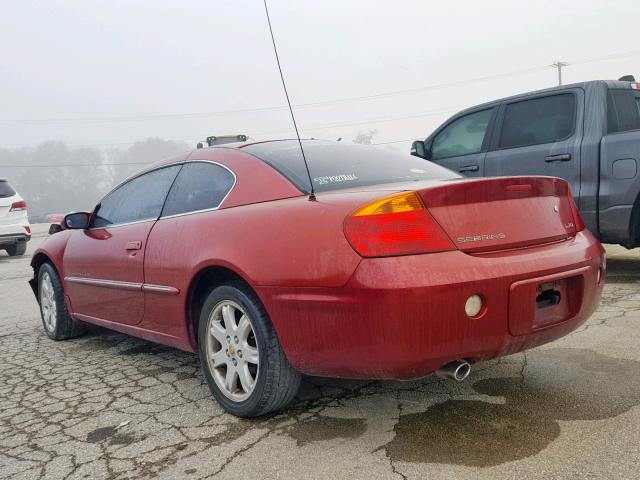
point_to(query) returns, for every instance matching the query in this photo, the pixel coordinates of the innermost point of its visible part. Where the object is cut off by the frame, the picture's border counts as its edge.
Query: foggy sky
(75, 70)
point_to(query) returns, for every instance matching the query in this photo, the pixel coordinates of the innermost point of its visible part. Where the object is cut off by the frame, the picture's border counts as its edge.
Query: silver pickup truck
(586, 133)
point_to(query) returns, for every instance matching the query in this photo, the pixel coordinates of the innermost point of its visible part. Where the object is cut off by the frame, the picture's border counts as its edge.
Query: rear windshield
(6, 190)
(335, 165)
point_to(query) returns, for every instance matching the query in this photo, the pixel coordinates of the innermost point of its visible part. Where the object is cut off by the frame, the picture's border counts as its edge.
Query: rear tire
(242, 359)
(58, 324)
(16, 249)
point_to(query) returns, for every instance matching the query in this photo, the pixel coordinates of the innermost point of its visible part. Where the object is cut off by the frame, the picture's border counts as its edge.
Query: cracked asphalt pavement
(108, 406)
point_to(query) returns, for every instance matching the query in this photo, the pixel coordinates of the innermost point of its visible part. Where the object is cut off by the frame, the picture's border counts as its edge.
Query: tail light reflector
(396, 225)
(28, 230)
(18, 206)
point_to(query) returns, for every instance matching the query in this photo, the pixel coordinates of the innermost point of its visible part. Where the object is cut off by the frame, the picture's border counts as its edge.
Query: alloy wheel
(48, 302)
(232, 350)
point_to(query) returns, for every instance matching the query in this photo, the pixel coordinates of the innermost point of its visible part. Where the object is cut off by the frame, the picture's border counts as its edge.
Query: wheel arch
(202, 283)
(40, 258)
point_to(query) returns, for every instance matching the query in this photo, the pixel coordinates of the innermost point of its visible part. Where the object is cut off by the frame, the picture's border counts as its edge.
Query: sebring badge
(480, 238)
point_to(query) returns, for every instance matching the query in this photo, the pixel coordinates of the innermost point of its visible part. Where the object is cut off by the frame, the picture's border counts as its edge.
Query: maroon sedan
(398, 267)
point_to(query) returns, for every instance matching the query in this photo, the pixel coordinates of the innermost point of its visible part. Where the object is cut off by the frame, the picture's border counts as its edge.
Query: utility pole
(559, 66)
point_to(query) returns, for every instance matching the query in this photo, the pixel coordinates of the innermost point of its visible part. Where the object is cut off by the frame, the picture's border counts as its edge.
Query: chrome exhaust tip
(458, 370)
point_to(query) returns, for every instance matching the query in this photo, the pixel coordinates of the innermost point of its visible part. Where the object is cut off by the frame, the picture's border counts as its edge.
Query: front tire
(58, 324)
(242, 359)
(16, 249)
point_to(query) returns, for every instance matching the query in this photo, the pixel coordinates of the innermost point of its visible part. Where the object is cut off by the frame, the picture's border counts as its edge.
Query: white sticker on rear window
(346, 177)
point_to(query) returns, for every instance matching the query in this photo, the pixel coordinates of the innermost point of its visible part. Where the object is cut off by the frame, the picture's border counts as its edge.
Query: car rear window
(623, 110)
(6, 190)
(336, 165)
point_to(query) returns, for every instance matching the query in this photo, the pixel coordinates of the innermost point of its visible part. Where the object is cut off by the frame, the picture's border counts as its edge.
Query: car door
(539, 135)
(103, 264)
(619, 158)
(461, 144)
(181, 239)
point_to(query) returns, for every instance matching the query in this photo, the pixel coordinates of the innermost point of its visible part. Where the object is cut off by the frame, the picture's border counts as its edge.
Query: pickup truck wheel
(16, 249)
(242, 359)
(58, 324)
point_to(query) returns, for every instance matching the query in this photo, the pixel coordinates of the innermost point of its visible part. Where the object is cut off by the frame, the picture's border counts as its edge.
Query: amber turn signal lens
(405, 202)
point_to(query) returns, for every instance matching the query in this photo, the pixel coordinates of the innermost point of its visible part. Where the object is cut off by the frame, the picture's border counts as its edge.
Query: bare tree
(365, 138)
(56, 178)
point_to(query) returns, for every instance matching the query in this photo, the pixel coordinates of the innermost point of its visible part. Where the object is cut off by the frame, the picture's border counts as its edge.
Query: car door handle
(563, 157)
(469, 168)
(136, 245)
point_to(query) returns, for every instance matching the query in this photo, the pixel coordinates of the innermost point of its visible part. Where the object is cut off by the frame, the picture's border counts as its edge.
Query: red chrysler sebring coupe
(396, 268)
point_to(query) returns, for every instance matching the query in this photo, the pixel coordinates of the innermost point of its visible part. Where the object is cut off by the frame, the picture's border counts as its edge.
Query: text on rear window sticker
(346, 177)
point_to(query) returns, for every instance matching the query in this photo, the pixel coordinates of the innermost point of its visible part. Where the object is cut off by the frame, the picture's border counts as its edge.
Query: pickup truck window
(539, 120)
(463, 136)
(623, 110)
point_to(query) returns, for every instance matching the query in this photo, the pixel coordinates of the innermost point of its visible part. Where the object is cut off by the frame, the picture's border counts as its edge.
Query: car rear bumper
(13, 238)
(15, 230)
(404, 317)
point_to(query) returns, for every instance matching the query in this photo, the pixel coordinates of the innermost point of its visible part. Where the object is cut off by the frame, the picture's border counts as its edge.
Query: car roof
(241, 145)
(191, 155)
(256, 142)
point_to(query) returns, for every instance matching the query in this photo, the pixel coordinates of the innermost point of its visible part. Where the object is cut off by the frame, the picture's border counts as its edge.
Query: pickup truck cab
(586, 133)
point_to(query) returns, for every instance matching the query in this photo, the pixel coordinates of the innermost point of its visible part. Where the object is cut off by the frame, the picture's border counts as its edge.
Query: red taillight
(635, 86)
(397, 225)
(18, 206)
(577, 217)
(28, 230)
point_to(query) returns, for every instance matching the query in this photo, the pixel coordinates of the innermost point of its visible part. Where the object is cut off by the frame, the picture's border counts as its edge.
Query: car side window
(463, 136)
(623, 111)
(138, 199)
(539, 120)
(199, 186)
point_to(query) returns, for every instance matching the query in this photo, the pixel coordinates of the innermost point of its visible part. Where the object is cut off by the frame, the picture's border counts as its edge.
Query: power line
(56, 165)
(339, 101)
(270, 109)
(324, 126)
(601, 58)
(557, 65)
(68, 165)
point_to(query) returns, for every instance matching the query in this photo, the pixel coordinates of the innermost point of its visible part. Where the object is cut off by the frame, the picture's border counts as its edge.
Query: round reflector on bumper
(474, 305)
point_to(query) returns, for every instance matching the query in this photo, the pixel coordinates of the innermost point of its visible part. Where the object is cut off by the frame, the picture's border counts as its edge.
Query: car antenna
(312, 194)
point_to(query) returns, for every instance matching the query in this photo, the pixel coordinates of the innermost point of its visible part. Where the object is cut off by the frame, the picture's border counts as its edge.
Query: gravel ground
(110, 406)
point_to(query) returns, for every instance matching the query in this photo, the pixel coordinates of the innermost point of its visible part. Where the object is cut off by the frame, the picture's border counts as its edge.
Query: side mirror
(76, 220)
(418, 149)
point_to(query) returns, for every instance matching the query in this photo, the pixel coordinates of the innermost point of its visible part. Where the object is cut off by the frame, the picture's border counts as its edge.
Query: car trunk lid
(501, 213)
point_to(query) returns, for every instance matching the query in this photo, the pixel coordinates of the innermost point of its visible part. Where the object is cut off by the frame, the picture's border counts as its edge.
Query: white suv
(15, 231)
